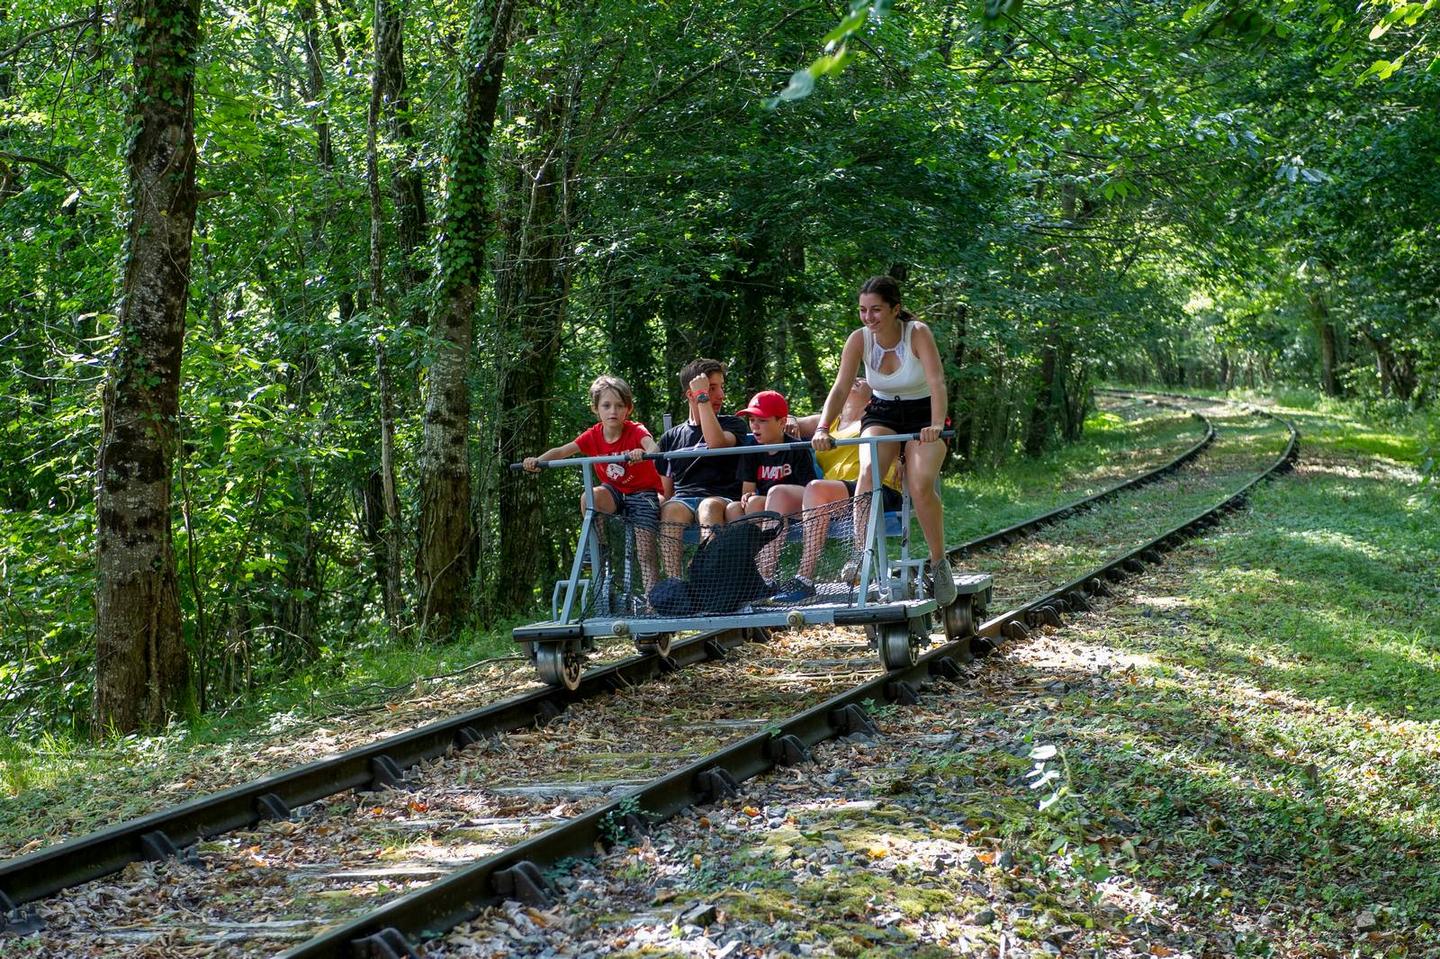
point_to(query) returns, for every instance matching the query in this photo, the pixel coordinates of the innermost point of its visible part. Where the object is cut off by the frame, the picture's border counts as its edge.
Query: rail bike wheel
(559, 664)
(959, 618)
(657, 643)
(898, 649)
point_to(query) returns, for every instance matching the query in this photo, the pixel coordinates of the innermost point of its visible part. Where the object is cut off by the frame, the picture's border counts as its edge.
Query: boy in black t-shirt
(759, 472)
(762, 471)
(698, 488)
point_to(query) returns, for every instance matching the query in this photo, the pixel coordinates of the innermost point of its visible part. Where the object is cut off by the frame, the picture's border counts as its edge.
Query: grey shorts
(641, 509)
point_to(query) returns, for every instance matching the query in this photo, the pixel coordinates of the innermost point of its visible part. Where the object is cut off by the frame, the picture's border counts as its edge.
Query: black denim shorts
(902, 416)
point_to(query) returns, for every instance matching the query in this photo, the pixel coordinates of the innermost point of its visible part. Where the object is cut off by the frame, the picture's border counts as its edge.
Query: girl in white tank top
(909, 399)
(908, 381)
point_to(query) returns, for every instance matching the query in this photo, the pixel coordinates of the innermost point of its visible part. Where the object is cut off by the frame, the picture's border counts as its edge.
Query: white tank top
(908, 381)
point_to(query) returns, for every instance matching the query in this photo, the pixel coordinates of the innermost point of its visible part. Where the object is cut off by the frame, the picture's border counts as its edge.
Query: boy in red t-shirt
(631, 489)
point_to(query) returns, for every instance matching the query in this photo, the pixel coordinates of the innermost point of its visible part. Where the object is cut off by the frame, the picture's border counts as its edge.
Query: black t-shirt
(766, 469)
(702, 475)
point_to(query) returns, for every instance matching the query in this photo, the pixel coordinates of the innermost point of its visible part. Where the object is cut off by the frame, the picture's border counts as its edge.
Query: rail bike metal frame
(890, 584)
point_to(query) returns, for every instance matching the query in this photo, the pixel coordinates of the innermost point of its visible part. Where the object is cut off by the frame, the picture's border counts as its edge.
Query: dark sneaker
(944, 587)
(796, 591)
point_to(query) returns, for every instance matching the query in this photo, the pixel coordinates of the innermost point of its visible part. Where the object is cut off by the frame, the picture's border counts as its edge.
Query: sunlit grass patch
(1111, 449)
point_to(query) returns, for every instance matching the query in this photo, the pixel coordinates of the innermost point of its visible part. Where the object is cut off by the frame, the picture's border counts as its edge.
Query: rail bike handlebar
(736, 450)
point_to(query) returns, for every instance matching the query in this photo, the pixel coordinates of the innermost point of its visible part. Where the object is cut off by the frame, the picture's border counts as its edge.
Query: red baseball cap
(766, 403)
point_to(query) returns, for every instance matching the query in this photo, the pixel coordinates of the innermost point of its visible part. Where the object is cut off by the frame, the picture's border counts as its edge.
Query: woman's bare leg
(923, 462)
(822, 503)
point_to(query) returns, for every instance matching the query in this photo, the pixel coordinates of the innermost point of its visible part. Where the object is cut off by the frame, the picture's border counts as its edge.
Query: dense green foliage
(1214, 194)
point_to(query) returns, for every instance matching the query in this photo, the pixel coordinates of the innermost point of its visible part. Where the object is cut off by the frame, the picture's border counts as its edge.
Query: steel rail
(166, 832)
(393, 930)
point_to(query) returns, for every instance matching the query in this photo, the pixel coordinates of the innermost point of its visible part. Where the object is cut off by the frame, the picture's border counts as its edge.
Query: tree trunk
(445, 560)
(961, 404)
(382, 502)
(755, 288)
(406, 183)
(1325, 330)
(1043, 412)
(632, 348)
(536, 291)
(141, 665)
(1395, 368)
(815, 384)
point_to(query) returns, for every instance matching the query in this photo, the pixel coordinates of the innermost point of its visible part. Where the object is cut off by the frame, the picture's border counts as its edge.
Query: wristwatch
(702, 397)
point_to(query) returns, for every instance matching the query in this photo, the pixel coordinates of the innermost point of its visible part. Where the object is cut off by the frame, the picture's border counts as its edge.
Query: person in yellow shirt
(840, 466)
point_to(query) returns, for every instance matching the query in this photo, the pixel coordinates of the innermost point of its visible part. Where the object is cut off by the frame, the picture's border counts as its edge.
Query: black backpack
(723, 576)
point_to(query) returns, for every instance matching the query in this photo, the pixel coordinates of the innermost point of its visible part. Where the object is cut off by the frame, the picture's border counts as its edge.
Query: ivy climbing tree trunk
(141, 666)
(445, 560)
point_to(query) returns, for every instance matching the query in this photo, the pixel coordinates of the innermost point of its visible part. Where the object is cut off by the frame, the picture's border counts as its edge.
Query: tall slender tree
(142, 670)
(445, 560)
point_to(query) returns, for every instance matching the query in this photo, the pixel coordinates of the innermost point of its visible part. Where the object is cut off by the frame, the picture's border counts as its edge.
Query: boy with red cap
(761, 471)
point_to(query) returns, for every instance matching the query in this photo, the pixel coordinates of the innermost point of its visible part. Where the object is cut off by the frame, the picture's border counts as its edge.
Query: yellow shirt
(843, 462)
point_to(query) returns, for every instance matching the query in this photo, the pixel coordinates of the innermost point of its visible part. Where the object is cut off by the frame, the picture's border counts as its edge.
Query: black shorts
(889, 498)
(642, 508)
(902, 416)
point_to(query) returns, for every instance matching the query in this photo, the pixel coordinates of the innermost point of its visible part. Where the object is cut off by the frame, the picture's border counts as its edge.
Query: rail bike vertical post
(585, 531)
(905, 567)
(874, 532)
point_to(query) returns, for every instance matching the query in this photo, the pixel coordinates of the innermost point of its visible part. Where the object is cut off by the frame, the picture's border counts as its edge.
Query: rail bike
(646, 581)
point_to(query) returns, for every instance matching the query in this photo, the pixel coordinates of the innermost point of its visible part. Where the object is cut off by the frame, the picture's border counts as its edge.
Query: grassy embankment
(55, 786)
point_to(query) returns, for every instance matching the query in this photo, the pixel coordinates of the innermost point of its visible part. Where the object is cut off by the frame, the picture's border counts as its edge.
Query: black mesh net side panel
(653, 569)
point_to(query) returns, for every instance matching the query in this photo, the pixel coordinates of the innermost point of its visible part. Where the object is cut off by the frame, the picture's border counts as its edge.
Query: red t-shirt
(626, 477)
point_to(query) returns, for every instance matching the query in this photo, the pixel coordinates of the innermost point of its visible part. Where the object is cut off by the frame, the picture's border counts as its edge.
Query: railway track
(312, 868)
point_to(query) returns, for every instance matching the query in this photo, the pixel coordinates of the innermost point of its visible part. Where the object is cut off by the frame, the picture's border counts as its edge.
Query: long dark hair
(888, 289)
